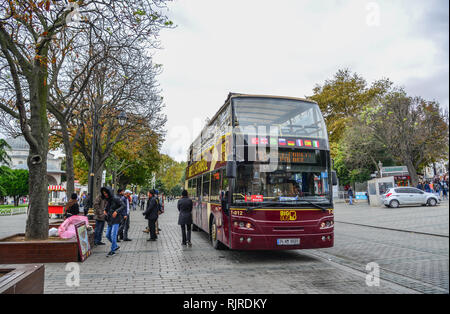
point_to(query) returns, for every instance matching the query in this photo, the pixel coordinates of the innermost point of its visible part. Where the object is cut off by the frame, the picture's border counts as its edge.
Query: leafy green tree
(176, 190)
(5, 174)
(14, 183)
(35, 39)
(171, 173)
(363, 151)
(4, 158)
(415, 131)
(343, 98)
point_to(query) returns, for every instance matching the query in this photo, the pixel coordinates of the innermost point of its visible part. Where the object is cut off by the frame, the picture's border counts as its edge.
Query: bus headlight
(242, 224)
(326, 224)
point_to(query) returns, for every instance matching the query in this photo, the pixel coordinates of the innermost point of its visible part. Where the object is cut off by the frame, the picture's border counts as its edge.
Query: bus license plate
(288, 241)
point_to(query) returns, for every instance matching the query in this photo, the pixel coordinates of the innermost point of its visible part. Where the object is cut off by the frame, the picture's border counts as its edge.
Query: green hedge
(13, 211)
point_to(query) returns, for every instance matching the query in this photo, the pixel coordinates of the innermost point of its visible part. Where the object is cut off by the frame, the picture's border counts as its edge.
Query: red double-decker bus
(260, 175)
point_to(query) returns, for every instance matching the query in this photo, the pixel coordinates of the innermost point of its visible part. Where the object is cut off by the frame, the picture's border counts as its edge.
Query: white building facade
(19, 153)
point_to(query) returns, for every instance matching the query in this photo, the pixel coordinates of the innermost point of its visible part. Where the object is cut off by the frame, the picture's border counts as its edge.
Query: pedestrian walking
(113, 213)
(123, 198)
(99, 216)
(420, 186)
(160, 210)
(142, 204)
(135, 200)
(84, 203)
(444, 190)
(427, 187)
(350, 196)
(126, 221)
(151, 214)
(185, 206)
(72, 208)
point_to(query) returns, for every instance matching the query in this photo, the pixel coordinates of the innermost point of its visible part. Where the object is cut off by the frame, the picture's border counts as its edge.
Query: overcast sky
(285, 47)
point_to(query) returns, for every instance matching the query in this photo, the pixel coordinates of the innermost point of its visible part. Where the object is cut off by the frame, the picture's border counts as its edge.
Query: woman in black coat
(185, 217)
(72, 207)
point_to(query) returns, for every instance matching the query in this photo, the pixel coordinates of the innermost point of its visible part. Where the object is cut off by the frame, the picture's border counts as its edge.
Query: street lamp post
(380, 166)
(122, 118)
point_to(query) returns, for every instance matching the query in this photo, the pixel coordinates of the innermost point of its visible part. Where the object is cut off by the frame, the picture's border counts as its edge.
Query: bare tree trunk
(70, 174)
(37, 220)
(412, 172)
(98, 181)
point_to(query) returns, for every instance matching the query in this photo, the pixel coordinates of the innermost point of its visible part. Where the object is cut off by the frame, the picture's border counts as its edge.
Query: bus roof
(232, 95)
(235, 95)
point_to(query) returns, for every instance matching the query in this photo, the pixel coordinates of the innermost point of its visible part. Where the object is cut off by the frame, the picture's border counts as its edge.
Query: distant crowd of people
(438, 185)
(115, 211)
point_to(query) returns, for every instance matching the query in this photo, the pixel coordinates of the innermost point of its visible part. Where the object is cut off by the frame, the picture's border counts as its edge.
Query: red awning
(56, 188)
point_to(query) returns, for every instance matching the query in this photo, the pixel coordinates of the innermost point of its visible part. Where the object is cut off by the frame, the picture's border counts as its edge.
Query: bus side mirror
(334, 179)
(231, 169)
(225, 207)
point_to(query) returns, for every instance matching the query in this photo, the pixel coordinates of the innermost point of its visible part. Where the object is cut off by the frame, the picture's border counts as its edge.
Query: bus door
(198, 208)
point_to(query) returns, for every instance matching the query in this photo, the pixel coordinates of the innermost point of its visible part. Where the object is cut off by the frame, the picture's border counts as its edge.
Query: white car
(401, 196)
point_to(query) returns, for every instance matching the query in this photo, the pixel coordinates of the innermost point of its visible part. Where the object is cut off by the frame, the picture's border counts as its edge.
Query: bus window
(205, 191)
(198, 189)
(215, 186)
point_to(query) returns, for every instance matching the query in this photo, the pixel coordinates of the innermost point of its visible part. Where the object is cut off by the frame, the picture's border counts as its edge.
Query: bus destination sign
(297, 157)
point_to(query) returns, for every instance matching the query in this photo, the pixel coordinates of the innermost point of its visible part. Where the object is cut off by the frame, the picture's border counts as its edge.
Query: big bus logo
(288, 215)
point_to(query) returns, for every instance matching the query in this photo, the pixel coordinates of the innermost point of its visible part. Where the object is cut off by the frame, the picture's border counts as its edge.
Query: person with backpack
(160, 210)
(99, 216)
(125, 224)
(113, 212)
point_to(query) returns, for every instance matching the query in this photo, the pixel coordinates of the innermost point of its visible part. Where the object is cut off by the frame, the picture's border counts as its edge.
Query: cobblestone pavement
(167, 267)
(432, 220)
(410, 262)
(410, 244)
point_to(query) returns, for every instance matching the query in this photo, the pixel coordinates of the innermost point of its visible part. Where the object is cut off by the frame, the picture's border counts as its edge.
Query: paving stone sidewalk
(413, 251)
(166, 266)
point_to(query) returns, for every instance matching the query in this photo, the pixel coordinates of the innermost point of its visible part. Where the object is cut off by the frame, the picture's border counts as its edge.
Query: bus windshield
(292, 117)
(291, 183)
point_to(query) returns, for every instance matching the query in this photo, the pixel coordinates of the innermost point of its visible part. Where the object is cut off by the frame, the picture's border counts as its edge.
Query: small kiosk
(56, 194)
(378, 187)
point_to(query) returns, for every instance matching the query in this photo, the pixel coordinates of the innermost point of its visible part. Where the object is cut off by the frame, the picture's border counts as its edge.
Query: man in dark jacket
(350, 195)
(151, 214)
(185, 218)
(125, 225)
(121, 195)
(113, 212)
(99, 216)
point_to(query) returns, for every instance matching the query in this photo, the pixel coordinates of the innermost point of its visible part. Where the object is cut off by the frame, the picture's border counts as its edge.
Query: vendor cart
(56, 201)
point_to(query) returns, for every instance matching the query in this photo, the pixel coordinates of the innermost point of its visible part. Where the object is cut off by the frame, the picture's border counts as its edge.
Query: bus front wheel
(213, 236)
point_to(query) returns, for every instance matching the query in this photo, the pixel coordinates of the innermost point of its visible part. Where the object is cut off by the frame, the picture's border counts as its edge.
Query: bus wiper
(267, 204)
(260, 206)
(315, 205)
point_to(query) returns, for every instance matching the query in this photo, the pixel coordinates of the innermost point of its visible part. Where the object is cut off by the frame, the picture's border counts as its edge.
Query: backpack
(158, 206)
